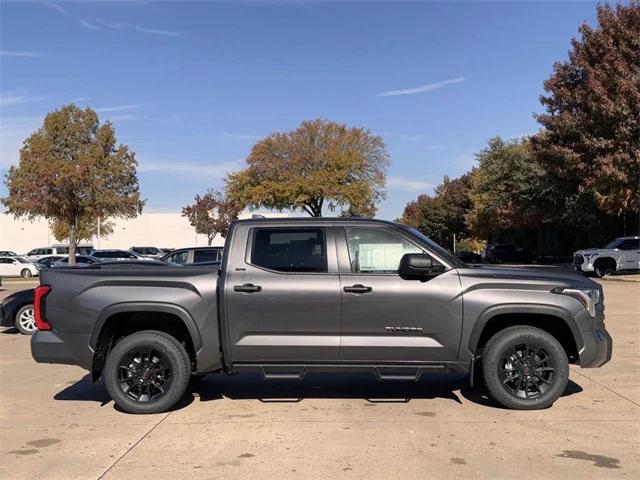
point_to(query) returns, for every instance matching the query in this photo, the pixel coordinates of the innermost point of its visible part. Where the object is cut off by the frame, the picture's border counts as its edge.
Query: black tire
(604, 267)
(150, 361)
(26, 273)
(25, 320)
(525, 382)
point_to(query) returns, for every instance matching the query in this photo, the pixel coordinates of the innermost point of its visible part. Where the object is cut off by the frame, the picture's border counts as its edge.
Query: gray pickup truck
(332, 295)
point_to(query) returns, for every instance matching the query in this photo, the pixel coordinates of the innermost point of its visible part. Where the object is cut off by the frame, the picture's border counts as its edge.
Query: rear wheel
(525, 368)
(25, 320)
(147, 372)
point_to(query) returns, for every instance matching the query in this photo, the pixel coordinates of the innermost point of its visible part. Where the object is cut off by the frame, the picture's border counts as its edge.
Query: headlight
(589, 297)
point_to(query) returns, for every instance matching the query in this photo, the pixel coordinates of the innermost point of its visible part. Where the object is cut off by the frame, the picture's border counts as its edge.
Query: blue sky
(191, 86)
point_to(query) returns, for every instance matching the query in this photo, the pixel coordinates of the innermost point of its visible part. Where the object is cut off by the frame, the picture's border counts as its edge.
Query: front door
(283, 295)
(630, 249)
(386, 318)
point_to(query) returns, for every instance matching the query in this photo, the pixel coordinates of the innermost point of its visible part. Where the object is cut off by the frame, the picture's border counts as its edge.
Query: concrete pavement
(55, 424)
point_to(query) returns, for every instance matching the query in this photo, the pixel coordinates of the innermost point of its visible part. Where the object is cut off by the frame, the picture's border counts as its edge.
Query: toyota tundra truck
(293, 296)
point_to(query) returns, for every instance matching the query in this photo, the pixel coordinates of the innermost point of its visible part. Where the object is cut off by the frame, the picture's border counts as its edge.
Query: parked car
(8, 253)
(620, 254)
(80, 260)
(149, 252)
(38, 253)
(503, 253)
(198, 255)
(17, 311)
(117, 255)
(46, 262)
(469, 257)
(332, 295)
(17, 267)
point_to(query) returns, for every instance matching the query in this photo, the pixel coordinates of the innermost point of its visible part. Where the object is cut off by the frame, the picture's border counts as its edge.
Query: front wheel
(147, 372)
(603, 268)
(525, 368)
(26, 273)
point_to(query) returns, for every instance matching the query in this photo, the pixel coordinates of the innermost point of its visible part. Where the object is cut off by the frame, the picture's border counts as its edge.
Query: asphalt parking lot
(55, 424)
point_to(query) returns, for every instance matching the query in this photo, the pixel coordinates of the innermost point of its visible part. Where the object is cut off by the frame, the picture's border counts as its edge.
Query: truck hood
(553, 276)
(591, 251)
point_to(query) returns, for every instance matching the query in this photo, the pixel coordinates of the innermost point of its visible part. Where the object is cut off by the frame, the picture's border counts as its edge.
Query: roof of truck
(316, 219)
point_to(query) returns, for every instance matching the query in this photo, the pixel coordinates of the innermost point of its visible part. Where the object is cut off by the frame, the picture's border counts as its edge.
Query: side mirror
(418, 266)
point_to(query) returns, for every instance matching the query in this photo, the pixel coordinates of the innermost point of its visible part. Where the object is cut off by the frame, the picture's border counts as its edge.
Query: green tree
(72, 172)
(591, 136)
(85, 230)
(319, 164)
(508, 189)
(442, 215)
(211, 214)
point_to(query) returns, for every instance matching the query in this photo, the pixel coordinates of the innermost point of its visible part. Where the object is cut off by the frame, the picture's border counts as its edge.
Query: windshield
(22, 260)
(613, 244)
(444, 254)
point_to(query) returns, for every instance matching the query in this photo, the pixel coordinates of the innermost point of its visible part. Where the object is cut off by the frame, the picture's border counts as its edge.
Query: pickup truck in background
(331, 295)
(620, 254)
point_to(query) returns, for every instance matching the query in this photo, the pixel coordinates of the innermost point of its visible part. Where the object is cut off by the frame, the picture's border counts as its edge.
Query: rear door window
(206, 255)
(299, 250)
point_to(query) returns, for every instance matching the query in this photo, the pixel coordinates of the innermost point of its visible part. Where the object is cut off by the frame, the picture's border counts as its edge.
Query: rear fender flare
(170, 308)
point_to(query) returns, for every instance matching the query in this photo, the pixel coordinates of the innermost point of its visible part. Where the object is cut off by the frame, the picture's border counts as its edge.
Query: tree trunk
(72, 242)
(210, 238)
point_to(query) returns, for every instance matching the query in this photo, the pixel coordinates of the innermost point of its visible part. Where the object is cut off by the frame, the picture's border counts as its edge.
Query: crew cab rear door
(282, 294)
(386, 318)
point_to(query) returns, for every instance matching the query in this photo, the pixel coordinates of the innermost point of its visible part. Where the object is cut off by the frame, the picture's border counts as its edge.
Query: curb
(629, 279)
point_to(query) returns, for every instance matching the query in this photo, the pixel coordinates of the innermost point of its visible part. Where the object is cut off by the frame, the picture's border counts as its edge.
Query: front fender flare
(523, 308)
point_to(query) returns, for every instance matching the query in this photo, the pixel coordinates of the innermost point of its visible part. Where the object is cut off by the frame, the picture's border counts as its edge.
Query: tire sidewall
(172, 352)
(506, 339)
(17, 320)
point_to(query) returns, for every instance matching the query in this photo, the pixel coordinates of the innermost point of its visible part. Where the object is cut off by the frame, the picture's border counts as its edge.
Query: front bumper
(597, 350)
(67, 349)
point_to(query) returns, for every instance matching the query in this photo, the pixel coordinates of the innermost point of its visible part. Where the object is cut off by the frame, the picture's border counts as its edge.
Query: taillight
(38, 306)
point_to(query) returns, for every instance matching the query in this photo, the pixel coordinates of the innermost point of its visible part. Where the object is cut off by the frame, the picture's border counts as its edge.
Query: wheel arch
(554, 320)
(129, 317)
(606, 259)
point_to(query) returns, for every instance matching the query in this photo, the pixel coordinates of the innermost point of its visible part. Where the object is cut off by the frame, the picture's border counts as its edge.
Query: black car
(194, 255)
(503, 253)
(17, 311)
(47, 262)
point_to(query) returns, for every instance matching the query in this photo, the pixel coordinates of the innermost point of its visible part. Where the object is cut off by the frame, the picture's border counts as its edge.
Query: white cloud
(241, 136)
(17, 97)
(413, 138)
(88, 25)
(15, 53)
(126, 117)
(218, 170)
(118, 108)
(97, 23)
(411, 185)
(155, 31)
(424, 88)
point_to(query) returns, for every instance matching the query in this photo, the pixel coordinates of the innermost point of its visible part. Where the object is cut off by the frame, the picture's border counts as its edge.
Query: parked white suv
(38, 253)
(623, 253)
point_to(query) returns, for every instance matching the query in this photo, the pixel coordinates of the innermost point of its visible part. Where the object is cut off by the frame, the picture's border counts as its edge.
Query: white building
(149, 229)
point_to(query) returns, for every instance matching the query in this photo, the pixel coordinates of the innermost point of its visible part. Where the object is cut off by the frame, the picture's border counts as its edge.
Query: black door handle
(358, 289)
(247, 288)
